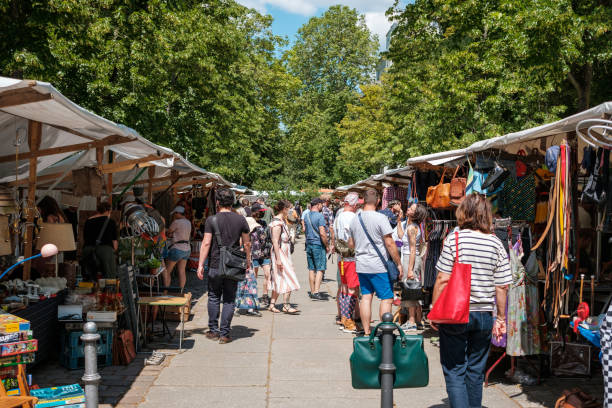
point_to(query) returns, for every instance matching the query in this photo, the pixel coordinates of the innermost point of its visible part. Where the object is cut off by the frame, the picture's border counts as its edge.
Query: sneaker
(310, 294)
(408, 327)
(420, 326)
(317, 296)
(349, 326)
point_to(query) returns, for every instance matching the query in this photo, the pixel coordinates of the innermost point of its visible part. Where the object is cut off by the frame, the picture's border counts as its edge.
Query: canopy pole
(109, 178)
(150, 184)
(100, 162)
(34, 136)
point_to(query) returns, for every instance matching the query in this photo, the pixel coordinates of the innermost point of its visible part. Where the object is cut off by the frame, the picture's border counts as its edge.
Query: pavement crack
(269, 363)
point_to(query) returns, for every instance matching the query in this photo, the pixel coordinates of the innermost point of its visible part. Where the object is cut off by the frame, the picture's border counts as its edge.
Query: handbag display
(232, 261)
(495, 178)
(457, 188)
(438, 196)
(409, 358)
(389, 264)
(453, 305)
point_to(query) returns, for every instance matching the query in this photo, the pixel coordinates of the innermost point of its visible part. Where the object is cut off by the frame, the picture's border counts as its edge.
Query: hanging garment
(597, 184)
(401, 194)
(518, 198)
(523, 309)
(388, 195)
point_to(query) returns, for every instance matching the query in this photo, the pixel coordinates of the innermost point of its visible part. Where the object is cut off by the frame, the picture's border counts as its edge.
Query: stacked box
(64, 396)
(16, 343)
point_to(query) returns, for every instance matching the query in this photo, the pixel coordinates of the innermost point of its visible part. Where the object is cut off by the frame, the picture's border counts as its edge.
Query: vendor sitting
(100, 244)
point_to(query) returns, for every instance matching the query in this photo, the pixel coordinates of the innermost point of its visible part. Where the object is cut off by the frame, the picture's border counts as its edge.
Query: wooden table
(163, 302)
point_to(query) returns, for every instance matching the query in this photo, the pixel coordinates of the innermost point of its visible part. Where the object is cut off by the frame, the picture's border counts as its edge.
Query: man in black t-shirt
(232, 228)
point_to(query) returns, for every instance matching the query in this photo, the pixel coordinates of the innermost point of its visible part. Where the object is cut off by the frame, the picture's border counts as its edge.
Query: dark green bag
(412, 369)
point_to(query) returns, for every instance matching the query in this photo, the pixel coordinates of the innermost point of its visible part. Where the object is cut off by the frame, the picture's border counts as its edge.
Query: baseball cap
(257, 207)
(178, 209)
(315, 201)
(351, 199)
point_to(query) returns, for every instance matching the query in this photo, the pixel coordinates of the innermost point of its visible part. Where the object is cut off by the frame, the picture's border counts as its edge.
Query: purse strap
(456, 171)
(373, 333)
(456, 246)
(382, 259)
(99, 238)
(442, 178)
(215, 227)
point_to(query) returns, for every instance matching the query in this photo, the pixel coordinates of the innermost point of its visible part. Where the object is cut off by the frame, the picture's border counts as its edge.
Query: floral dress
(523, 310)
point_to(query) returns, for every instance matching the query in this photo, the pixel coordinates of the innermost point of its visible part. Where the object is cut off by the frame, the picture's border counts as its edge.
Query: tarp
(65, 124)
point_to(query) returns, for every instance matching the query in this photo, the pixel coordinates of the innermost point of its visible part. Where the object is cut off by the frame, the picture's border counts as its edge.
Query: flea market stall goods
(59, 162)
(551, 194)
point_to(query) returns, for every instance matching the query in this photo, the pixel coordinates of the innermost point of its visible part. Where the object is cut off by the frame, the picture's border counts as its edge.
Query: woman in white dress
(283, 277)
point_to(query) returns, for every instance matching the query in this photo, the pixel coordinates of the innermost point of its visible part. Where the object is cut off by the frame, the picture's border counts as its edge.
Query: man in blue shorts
(317, 246)
(371, 270)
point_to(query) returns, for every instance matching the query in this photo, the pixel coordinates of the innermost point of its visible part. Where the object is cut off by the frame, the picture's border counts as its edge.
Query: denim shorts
(316, 256)
(176, 255)
(378, 283)
(261, 262)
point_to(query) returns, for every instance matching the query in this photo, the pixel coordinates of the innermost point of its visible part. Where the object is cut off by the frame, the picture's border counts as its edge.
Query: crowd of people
(365, 239)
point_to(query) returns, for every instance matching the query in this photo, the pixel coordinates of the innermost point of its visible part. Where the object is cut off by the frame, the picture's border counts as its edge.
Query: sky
(290, 15)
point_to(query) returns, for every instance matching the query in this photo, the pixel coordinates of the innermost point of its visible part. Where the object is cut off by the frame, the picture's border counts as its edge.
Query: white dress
(284, 280)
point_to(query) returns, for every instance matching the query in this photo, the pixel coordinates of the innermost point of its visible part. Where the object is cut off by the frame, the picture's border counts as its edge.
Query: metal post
(386, 367)
(91, 378)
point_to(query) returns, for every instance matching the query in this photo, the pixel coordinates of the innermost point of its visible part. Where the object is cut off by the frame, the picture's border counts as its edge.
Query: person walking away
(246, 297)
(393, 212)
(267, 216)
(261, 245)
(233, 228)
(371, 270)
(284, 279)
(304, 214)
(349, 281)
(317, 245)
(409, 232)
(179, 249)
(104, 249)
(464, 348)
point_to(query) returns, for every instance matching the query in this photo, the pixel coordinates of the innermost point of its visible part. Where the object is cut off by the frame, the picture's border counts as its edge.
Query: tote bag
(453, 305)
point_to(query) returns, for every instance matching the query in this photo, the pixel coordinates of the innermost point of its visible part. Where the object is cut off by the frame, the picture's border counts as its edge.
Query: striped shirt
(489, 260)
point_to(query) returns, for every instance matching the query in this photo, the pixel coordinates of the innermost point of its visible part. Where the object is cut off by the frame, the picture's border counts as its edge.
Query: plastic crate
(72, 345)
(75, 363)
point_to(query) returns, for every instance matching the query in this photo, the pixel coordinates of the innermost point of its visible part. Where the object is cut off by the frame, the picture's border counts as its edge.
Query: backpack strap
(215, 228)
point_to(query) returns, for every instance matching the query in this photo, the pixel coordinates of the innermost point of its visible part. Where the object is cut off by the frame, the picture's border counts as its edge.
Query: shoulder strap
(215, 227)
(457, 246)
(99, 239)
(312, 226)
(382, 258)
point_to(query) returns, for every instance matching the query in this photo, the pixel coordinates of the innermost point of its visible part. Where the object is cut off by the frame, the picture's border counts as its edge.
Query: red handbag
(453, 305)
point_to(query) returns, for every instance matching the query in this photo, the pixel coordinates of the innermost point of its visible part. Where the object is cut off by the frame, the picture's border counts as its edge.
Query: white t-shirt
(342, 227)
(489, 260)
(181, 228)
(377, 224)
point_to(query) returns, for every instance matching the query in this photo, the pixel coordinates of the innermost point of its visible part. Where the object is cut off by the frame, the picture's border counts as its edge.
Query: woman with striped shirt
(464, 348)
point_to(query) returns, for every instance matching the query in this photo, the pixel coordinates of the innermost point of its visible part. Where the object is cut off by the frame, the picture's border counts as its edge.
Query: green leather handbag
(412, 368)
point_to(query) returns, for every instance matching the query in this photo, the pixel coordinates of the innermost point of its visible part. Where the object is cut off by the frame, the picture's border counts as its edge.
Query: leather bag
(453, 305)
(412, 367)
(232, 261)
(457, 188)
(125, 350)
(438, 196)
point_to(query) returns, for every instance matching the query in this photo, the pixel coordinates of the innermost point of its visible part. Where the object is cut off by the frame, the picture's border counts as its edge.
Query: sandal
(273, 308)
(290, 310)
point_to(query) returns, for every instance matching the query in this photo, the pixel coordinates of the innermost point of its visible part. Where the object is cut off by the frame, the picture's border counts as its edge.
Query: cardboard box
(101, 316)
(12, 324)
(173, 312)
(59, 396)
(20, 347)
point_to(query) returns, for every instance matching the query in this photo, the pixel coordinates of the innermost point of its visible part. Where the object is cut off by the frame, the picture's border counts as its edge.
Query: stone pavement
(278, 360)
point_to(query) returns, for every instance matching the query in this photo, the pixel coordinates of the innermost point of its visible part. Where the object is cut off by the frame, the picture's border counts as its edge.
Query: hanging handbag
(457, 188)
(409, 358)
(232, 261)
(438, 196)
(389, 264)
(412, 193)
(453, 305)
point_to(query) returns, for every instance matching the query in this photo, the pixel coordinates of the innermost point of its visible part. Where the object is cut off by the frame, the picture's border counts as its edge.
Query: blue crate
(75, 363)
(72, 345)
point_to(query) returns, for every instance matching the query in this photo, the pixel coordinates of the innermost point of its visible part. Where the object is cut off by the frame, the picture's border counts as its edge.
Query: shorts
(176, 255)
(349, 278)
(261, 262)
(316, 256)
(378, 283)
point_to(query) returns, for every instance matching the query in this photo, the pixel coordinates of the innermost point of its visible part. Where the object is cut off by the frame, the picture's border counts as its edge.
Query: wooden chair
(23, 400)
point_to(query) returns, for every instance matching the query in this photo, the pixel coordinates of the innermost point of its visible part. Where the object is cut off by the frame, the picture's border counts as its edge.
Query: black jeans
(220, 290)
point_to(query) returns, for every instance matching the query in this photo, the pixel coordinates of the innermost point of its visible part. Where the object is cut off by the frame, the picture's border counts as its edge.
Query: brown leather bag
(576, 398)
(438, 196)
(125, 350)
(457, 188)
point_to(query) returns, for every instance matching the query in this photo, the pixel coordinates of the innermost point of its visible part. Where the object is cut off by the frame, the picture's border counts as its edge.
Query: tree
(367, 138)
(201, 78)
(332, 56)
(465, 71)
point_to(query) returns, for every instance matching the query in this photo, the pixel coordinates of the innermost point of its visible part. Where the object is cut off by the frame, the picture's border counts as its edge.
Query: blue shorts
(257, 263)
(176, 255)
(376, 282)
(316, 256)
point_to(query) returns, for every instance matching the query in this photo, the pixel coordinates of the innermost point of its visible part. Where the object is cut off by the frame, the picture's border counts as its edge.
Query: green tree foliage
(332, 56)
(199, 77)
(469, 70)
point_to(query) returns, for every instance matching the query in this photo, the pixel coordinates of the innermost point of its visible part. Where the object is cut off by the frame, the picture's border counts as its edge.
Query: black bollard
(386, 367)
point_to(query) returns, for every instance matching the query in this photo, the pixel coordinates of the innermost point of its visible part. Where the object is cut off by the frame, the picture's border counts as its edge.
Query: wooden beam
(40, 179)
(129, 164)
(183, 183)
(22, 96)
(165, 178)
(34, 137)
(109, 177)
(107, 141)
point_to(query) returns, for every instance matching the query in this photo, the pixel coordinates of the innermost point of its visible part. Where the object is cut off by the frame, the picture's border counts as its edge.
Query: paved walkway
(284, 361)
